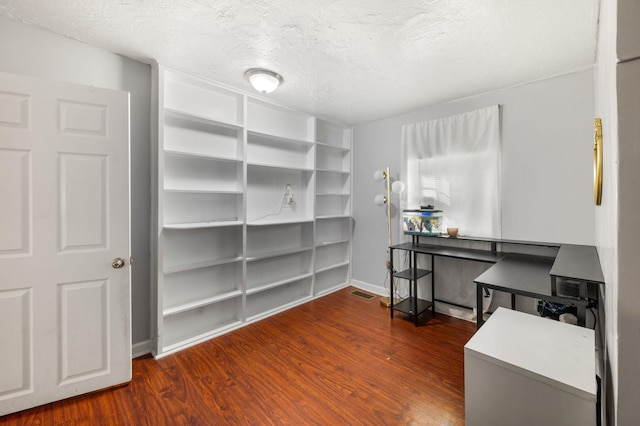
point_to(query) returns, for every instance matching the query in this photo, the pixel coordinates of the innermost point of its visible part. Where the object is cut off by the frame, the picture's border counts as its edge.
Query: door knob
(117, 263)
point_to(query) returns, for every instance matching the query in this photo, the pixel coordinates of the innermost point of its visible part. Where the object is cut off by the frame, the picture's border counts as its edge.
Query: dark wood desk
(518, 274)
(576, 263)
(454, 252)
(523, 275)
(412, 305)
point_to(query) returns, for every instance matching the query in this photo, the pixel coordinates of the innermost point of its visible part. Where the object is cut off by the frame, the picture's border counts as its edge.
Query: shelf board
(334, 216)
(276, 166)
(193, 340)
(407, 274)
(406, 306)
(271, 222)
(344, 172)
(331, 289)
(278, 309)
(200, 265)
(277, 253)
(336, 147)
(201, 119)
(330, 243)
(200, 187)
(200, 303)
(198, 225)
(273, 138)
(334, 194)
(203, 191)
(268, 286)
(211, 157)
(334, 266)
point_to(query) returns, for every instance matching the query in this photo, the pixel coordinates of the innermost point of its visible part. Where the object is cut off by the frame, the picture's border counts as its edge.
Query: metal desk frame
(574, 262)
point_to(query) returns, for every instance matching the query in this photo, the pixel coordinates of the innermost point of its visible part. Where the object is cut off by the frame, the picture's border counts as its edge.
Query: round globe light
(397, 187)
(380, 200)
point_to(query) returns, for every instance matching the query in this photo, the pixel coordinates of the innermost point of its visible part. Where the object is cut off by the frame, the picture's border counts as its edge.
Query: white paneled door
(64, 241)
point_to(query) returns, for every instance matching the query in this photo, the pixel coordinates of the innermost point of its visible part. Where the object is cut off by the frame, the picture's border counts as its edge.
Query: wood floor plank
(339, 359)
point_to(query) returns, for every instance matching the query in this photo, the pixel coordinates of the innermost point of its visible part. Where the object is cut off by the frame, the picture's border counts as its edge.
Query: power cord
(593, 304)
(281, 203)
(397, 293)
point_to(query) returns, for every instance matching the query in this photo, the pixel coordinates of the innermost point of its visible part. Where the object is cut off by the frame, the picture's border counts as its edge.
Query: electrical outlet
(288, 195)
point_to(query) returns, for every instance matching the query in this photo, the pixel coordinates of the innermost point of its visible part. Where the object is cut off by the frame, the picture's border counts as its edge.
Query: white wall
(547, 139)
(29, 50)
(606, 225)
(628, 288)
(624, 94)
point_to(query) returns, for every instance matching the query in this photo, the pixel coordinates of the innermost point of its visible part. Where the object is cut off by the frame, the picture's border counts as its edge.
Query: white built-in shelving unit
(333, 206)
(252, 209)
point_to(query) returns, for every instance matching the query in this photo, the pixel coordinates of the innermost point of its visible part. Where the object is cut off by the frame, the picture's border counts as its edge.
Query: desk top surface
(486, 240)
(572, 261)
(456, 252)
(522, 273)
(578, 262)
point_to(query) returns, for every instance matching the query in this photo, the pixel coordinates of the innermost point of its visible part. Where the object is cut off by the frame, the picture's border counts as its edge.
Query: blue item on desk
(554, 310)
(422, 222)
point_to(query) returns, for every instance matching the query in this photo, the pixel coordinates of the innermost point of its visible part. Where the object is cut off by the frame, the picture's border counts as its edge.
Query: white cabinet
(527, 370)
(252, 209)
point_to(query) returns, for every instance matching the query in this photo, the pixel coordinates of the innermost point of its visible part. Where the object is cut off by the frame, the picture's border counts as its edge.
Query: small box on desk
(422, 222)
(569, 288)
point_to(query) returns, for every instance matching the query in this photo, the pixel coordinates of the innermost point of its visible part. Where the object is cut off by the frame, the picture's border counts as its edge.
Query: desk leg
(391, 289)
(479, 319)
(582, 307)
(415, 288)
(513, 302)
(582, 314)
(415, 303)
(433, 291)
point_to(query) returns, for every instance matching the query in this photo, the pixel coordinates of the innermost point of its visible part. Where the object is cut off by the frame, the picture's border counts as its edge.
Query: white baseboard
(140, 348)
(371, 288)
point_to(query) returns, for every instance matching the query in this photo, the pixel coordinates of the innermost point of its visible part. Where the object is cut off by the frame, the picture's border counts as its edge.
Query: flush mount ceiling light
(264, 81)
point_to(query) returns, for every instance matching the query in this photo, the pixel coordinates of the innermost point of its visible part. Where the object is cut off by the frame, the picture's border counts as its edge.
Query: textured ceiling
(348, 60)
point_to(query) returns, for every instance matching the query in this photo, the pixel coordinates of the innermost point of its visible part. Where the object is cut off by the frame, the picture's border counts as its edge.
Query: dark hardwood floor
(338, 360)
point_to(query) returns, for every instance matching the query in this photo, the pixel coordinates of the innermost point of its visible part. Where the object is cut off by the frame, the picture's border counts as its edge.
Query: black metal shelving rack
(412, 305)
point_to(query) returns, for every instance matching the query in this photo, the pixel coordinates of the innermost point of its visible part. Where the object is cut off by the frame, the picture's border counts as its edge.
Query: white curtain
(454, 164)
